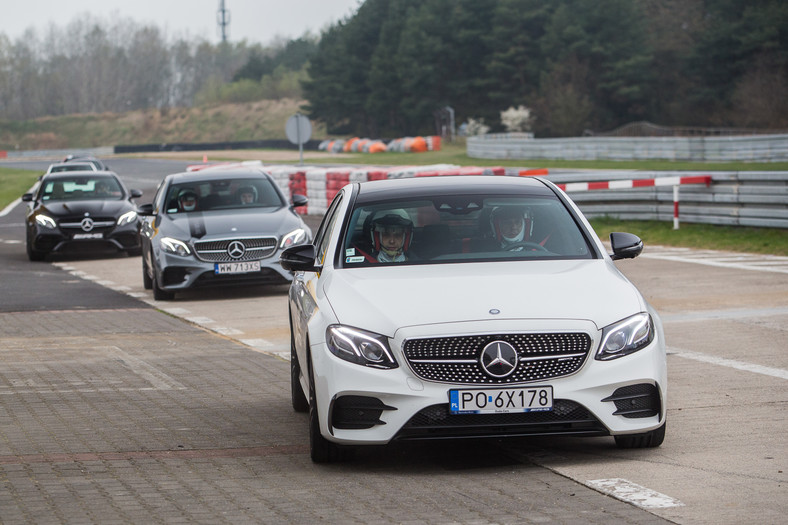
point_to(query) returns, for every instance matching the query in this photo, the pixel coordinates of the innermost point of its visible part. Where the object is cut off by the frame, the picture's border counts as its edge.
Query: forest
(580, 66)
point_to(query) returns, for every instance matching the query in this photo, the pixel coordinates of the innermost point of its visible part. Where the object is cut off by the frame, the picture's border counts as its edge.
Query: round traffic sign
(298, 129)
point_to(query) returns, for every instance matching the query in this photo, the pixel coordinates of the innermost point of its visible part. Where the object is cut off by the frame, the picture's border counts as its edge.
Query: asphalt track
(115, 407)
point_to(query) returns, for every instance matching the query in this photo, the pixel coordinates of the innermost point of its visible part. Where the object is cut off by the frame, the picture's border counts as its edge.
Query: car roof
(450, 185)
(218, 174)
(79, 173)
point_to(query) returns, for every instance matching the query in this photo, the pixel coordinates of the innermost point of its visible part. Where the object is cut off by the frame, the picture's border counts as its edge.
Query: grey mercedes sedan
(218, 227)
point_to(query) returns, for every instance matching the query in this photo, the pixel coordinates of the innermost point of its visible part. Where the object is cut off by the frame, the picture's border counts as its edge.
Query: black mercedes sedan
(81, 211)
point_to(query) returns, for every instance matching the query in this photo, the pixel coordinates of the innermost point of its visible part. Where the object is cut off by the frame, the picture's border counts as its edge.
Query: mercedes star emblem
(87, 224)
(236, 249)
(499, 359)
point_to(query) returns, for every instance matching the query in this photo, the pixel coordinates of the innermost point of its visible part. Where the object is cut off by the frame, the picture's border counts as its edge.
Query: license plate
(501, 400)
(237, 267)
(88, 236)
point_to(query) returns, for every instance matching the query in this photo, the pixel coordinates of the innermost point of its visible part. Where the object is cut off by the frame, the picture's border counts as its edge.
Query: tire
(34, 255)
(298, 398)
(159, 294)
(147, 282)
(320, 449)
(651, 439)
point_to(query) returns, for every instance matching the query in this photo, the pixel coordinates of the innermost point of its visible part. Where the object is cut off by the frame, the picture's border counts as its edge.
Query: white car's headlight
(625, 337)
(359, 346)
(46, 221)
(294, 237)
(126, 218)
(174, 246)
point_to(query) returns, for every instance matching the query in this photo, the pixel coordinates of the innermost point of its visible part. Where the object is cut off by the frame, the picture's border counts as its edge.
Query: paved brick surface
(133, 416)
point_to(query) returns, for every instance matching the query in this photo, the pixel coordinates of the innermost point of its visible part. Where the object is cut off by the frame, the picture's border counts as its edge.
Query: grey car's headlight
(128, 217)
(625, 337)
(294, 237)
(174, 246)
(359, 346)
(46, 221)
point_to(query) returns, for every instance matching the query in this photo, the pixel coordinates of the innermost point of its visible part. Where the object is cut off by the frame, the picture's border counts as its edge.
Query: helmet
(393, 219)
(187, 194)
(248, 189)
(501, 213)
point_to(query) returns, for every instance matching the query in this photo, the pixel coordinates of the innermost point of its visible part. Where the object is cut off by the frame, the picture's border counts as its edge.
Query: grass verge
(15, 182)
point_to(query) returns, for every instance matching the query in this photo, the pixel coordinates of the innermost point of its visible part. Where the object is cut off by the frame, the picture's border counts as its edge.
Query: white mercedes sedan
(469, 307)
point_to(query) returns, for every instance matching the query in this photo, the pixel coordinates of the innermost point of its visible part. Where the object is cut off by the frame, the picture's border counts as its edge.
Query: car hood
(386, 299)
(235, 222)
(93, 208)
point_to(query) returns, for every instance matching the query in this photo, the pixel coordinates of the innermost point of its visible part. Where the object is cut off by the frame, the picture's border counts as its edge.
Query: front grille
(567, 417)
(254, 248)
(456, 359)
(99, 223)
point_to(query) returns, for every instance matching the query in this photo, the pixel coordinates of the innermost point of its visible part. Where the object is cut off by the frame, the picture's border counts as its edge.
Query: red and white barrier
(642, 183)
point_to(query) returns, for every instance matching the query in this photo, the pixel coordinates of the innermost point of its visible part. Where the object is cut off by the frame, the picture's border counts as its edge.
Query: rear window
(450, 229)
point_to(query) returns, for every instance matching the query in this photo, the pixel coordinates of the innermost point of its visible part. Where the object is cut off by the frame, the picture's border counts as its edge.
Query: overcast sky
(257, 21)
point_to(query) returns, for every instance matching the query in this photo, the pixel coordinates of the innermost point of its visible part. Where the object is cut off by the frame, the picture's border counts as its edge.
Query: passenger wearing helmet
(247, 195)
(511, 225)
(187, 200)
(391, 235)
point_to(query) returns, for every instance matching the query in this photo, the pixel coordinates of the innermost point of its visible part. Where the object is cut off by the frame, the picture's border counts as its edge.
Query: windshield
(450, 229)
(222, 194)
(81, 188)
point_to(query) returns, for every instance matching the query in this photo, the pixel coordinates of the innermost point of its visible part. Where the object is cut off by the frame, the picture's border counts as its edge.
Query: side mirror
(299, 258)
(27, 197)
(135, 194)
(299, 200)
(145, 209)
(625, 245)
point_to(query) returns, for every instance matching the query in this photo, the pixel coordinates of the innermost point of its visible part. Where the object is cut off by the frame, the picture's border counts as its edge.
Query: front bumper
(362, 405)
(121, 238)
(179, 273)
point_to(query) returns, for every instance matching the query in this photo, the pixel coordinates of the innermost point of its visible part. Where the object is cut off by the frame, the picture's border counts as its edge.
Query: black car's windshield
(81, 188)
(462, 229)
(222, 194)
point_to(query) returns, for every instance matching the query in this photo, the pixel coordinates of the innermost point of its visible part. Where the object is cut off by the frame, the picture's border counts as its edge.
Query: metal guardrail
(757, 198)
(754, 148)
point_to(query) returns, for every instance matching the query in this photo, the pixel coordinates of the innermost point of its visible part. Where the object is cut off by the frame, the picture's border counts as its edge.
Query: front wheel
(32, 254)
(320, 449)
(653, 438)
(147, 281)
(300, 403)
(159, 294)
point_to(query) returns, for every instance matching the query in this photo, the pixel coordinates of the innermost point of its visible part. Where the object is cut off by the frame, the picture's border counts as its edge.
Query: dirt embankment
(261, 120)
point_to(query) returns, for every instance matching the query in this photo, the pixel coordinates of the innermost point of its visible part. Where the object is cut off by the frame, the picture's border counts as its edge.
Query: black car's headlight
(626, 336)
(128, 217)
(294, 237)
(359, 346)
(46, 221)
(174, 246)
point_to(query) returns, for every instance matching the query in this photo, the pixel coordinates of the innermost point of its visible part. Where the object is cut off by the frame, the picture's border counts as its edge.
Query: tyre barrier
(365, 145)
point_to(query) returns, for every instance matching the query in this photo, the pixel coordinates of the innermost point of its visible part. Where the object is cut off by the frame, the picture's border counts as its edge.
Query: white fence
(753, 148)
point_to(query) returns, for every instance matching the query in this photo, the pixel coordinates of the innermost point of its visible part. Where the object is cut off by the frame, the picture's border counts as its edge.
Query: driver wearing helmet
(511, 226)
(187, 200)
(247, 195)
(392, 231)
